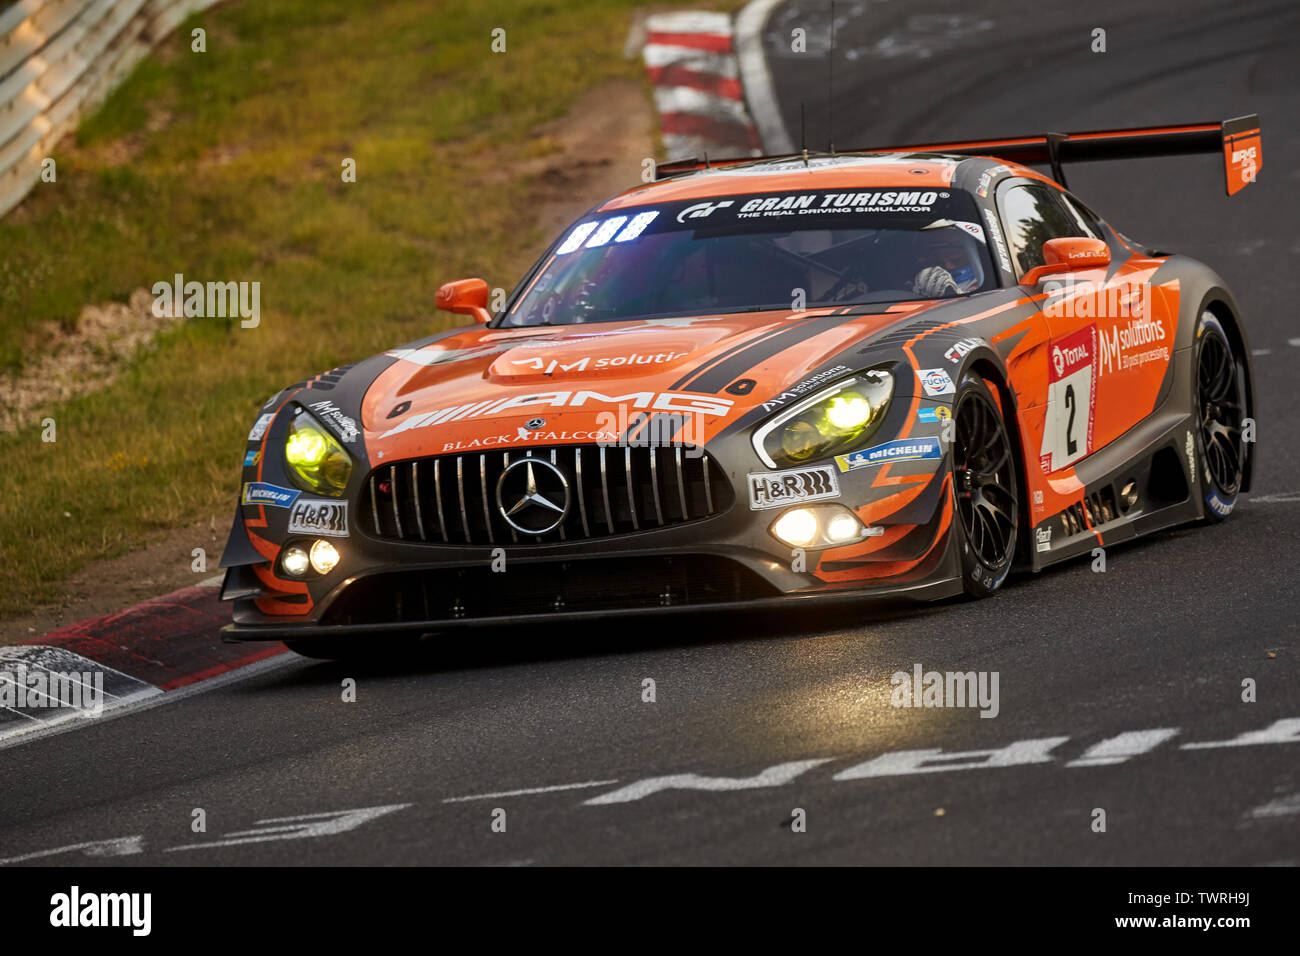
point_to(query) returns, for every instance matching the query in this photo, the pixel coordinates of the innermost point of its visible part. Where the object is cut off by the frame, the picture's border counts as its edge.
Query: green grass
(225, 165)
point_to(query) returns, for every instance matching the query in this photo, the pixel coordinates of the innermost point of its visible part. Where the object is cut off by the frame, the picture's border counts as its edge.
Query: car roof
(787, 173)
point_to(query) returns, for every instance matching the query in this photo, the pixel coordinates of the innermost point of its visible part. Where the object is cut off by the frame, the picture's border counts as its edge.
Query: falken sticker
(263, 493)
(260, 426)
(905, 449)
(252, 458)
(962, 348)
(772, 489)
(940, 413)
(936, 381)
(312, 516)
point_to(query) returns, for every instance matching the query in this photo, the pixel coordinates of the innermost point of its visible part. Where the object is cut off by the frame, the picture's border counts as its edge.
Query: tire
(1219, 409)
(986, 489)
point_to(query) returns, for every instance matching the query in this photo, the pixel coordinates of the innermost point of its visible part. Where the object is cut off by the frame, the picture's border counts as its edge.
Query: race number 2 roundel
(1071, 375)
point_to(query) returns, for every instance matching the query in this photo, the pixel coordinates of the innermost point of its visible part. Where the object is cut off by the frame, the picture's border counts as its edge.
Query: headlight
(818, 526)
(315, 459)
(834, 420)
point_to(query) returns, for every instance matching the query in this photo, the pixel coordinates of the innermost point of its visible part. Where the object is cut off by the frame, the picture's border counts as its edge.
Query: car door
(1032, 213)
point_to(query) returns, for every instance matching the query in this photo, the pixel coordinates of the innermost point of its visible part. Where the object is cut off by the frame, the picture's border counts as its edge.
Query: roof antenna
(706, 160)
(830, 86)
(803, 132)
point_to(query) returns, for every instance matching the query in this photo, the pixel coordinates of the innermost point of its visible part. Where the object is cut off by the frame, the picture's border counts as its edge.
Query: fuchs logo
(659, 401)
(776, 488)
(701, 209)
(262, 493)
(936, 381)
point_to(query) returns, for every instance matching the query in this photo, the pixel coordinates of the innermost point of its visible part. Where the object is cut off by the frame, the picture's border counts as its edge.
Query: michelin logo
(262, 493)
(908, 449)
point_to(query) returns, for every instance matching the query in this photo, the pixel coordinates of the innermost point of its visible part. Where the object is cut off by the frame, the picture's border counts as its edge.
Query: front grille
(451, 499)
(546, 587)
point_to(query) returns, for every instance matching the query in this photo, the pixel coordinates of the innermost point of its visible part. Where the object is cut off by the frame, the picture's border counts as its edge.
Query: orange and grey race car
(902, 372)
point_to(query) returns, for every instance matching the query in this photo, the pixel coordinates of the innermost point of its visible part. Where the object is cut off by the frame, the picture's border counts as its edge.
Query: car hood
(492, 388)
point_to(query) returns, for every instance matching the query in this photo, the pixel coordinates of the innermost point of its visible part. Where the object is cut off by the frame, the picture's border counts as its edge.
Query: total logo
(701, 209)
(1071, 355)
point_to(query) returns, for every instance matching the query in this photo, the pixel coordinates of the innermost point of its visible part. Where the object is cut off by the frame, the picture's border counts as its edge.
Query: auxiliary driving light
(843, 527)
(324, 556)
(295, 561)
(818, 526)
(797, 527)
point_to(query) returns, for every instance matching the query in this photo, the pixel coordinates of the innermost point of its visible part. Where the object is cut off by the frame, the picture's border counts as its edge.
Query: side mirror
(1069, 254)
(466, 297)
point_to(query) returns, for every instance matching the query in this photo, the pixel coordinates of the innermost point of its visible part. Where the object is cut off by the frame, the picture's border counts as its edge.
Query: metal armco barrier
(59, 59)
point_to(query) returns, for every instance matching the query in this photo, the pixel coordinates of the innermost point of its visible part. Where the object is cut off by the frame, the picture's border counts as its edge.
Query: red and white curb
(691, 59)
(159, 650)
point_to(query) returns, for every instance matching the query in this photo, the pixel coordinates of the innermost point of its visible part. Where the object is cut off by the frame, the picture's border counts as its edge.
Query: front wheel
(985, 489)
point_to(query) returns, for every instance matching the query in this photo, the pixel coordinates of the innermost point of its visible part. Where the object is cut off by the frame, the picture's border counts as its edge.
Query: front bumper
(922, 592)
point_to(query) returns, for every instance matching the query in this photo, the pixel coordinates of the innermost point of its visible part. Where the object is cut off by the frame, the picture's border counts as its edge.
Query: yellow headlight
(315, 459)
(306, 447)
(848, 411)
(800, 439)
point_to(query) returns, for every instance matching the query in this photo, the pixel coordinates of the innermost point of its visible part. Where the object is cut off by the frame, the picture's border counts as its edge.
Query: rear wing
(1237, 139)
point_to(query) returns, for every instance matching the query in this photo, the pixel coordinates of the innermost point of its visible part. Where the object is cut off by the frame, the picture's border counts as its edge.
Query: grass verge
(225, 165)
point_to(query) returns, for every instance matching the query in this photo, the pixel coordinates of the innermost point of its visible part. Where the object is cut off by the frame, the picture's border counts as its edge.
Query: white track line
(158, 699)
(530, 790)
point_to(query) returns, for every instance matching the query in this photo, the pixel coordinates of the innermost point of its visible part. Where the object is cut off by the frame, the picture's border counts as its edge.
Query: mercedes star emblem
(533, 496)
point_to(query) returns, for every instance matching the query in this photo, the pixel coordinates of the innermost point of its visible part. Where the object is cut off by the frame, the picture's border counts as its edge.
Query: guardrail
(59, 59)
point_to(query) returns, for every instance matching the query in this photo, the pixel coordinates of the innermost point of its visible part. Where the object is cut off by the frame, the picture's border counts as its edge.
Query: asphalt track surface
(1163, 639)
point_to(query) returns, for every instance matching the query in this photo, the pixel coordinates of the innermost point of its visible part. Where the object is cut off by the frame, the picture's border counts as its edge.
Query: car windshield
(757, 252)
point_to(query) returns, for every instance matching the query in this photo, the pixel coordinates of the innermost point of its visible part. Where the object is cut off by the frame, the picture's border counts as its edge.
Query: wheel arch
(1219, 304)
(996, 378)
